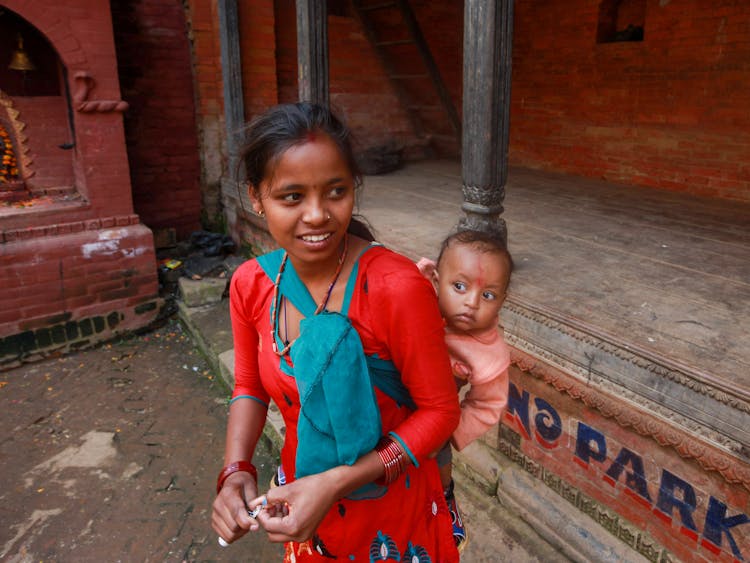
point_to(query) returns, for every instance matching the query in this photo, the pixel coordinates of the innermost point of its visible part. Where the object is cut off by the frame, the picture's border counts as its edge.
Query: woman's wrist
(235, 467)
(393, 458)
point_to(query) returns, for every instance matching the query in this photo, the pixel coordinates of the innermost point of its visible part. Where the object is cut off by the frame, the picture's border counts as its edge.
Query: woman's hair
(271, 134)
(484, 241)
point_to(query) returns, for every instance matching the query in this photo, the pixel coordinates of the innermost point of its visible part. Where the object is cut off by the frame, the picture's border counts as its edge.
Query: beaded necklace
(277, 298)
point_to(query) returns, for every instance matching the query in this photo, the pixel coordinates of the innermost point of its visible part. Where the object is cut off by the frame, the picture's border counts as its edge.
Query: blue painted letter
(635, 479)
(588, 437)
(668, 501)
(717, 524)
(548, 423)
(518, 408)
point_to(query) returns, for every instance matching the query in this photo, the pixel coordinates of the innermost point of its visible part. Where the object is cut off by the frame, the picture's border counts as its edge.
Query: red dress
(395, 312)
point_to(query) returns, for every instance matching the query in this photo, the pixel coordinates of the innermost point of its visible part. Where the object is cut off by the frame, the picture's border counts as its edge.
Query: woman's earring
(261, 213)
(328, 217)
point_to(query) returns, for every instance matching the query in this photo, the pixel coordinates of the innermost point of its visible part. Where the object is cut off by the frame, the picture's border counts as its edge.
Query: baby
(471, 278)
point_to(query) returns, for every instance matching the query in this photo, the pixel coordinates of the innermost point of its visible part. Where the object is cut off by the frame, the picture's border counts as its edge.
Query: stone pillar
(231, 71)
(488, 41)
(312, 51)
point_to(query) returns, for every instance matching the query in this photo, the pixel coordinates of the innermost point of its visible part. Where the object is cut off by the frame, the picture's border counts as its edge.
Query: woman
(363, 408)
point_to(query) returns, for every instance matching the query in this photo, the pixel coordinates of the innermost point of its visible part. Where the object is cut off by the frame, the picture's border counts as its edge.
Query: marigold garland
(8, 162)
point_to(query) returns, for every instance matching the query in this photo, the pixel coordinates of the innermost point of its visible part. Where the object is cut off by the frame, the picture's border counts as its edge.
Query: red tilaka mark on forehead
(480, 270)
(311, 136)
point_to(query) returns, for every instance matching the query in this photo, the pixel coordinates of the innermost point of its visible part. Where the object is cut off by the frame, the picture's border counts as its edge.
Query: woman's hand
(230, 518)
(294, 511)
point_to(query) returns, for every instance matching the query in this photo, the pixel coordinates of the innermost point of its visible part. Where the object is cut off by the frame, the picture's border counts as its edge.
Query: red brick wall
(286, 50)
(83, 258)
(47, 127)
(259, 83)
(156, 80)
(87, 274)
(668, 112)
(359, 90)
(203, 30)
(258, 55)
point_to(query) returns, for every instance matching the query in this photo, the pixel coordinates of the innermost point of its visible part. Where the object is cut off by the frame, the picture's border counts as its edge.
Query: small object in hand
(255, 511)
(223, 542)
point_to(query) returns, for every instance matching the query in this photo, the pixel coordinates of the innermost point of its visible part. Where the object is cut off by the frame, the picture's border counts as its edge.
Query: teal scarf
(339, 417)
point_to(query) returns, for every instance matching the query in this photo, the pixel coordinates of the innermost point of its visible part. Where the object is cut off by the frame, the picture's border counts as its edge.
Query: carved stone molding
(84, 84)
(644, 423)
(19, 137)
(700, 383)
(638, 539)
(715, 410)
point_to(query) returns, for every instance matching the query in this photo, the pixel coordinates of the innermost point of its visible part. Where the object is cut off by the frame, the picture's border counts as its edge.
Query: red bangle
(235, 467)
(393, 459)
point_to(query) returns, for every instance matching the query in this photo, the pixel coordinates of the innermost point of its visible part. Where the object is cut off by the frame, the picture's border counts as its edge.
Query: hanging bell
(20, 59)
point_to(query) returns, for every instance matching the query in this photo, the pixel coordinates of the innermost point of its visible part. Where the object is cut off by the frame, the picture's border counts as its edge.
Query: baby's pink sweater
(481, 361)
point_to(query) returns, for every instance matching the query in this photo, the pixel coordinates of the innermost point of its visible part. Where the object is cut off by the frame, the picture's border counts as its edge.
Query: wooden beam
(488, 41)
(312, 51)
(231, 74)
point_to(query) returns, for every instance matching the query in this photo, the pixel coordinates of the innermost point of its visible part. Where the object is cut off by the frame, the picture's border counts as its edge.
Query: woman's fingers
(294, 511)
(280, 525)
(273, 513)
(230, 519)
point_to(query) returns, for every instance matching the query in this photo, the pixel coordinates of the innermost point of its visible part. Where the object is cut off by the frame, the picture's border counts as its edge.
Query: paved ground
(112, 454)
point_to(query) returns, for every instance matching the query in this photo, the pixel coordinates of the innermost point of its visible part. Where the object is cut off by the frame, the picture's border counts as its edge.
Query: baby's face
(471, 287)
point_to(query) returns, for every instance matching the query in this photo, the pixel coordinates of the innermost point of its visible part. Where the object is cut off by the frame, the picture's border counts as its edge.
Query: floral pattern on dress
(416, 554)
(383, 548)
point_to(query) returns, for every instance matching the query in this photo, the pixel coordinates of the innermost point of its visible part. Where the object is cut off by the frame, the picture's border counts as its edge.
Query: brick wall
(258, 55)
(259, 84)
(359, 90)
(155, 73)
(203, 32)
(71, 259)
(71, 282)
(668, 112)
(46, 128)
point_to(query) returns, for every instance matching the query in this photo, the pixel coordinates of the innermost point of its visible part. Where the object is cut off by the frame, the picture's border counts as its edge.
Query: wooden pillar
(488, 41)
(312, 51)
(231, 71)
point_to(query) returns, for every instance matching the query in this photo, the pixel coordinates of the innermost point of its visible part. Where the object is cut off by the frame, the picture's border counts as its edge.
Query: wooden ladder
(393, 31)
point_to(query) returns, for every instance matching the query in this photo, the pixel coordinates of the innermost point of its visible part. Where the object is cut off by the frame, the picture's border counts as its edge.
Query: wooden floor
(662, 272)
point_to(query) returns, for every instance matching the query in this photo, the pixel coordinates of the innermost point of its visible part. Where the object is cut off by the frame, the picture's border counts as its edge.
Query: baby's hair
(269, 135)
(484, 241)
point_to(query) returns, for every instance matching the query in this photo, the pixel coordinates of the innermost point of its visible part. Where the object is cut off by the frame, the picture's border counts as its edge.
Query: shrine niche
(34, 113)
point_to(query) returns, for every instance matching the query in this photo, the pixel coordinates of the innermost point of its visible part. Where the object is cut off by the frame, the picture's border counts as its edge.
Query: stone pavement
(111, 455)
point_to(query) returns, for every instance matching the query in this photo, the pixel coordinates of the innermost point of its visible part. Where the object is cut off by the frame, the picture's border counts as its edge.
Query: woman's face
(308, 199)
